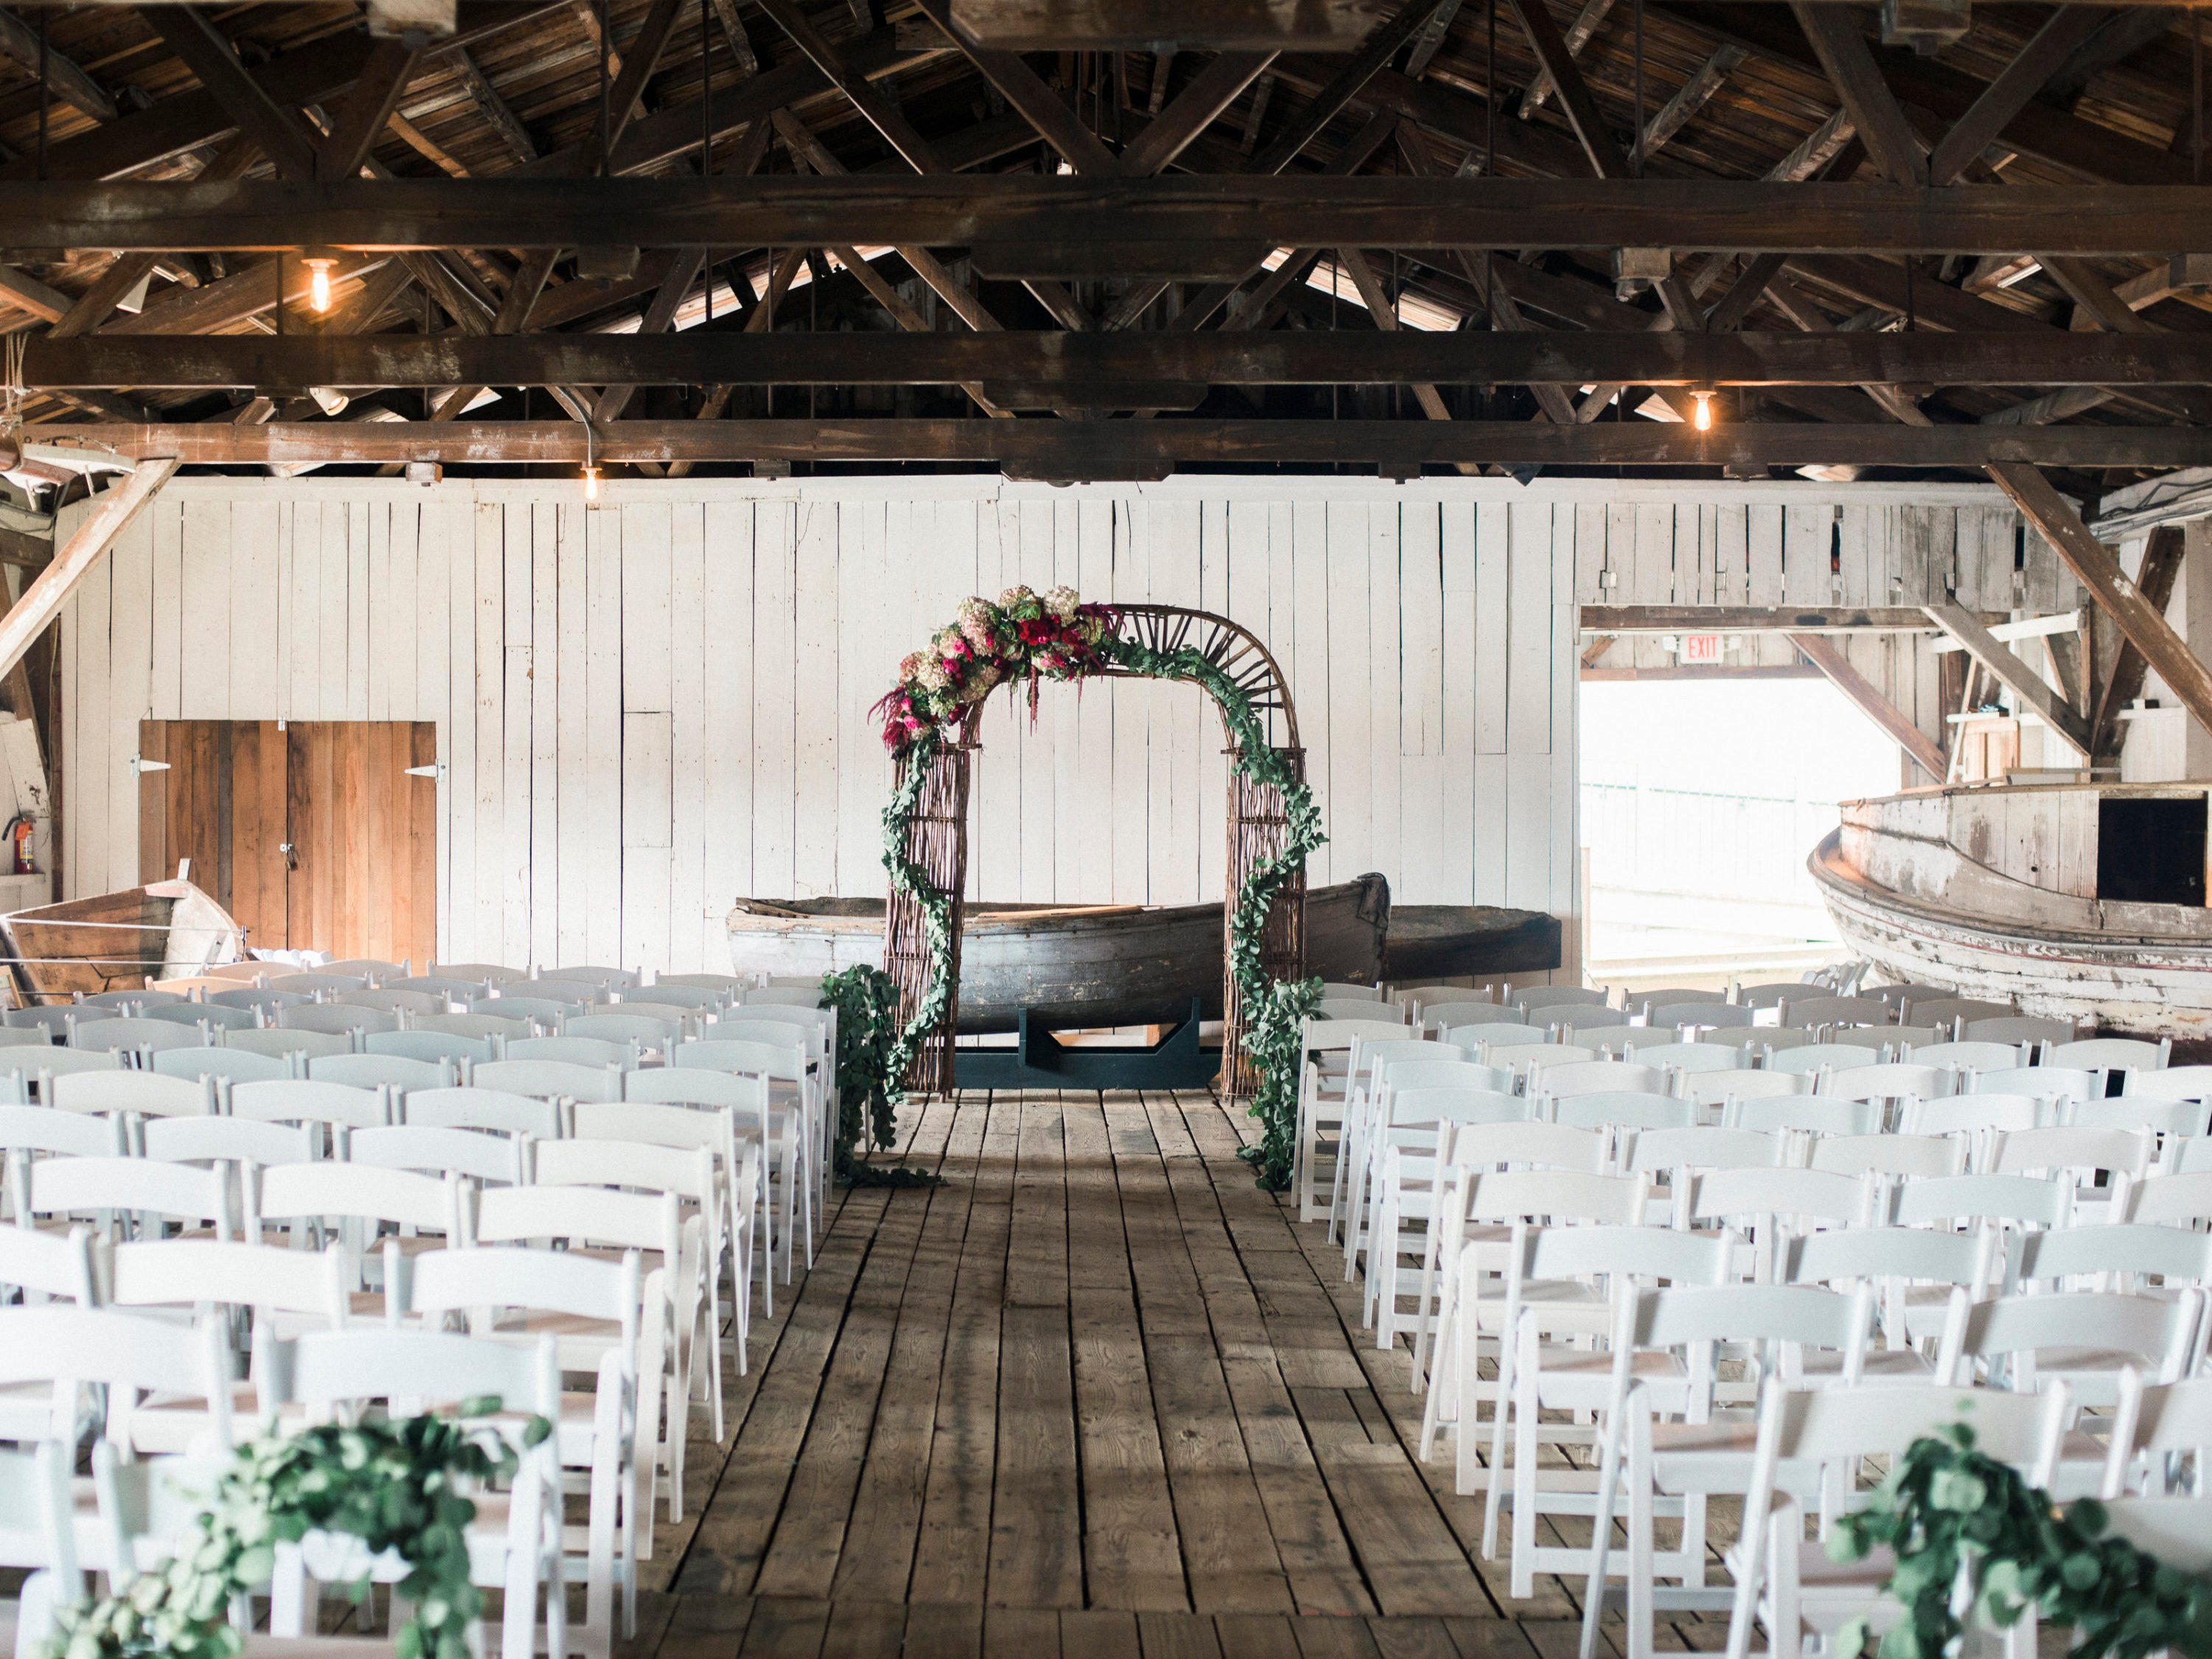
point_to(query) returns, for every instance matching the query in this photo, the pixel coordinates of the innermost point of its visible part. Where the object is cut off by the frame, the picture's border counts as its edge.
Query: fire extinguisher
(19, 839)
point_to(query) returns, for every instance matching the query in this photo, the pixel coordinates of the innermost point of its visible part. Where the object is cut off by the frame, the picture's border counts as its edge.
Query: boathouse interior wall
(649, 707)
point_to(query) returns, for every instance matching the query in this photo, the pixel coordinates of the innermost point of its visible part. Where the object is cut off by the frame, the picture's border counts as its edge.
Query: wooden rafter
(1867, 697)
(2122, 683)
(41, 601)
(2030, 689)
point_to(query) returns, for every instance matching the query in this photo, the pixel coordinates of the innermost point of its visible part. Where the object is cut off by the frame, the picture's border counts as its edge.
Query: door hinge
(435, 769)
(140, 763)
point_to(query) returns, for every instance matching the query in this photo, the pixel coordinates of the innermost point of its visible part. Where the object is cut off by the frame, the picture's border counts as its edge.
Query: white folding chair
(435, 1047)
(492, 1157)
(1922, 1282)
(486, 1106)
(550, 1079)
(785, 1189)
(592, 1052)
(133, 1196)
(1813, 1058)
(225, 1066)
(297, 1100)
(395, 1073)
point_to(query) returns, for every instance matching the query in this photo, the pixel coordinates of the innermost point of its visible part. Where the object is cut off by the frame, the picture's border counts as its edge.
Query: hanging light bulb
(591, 484)
(318, 279)
(1702, 417)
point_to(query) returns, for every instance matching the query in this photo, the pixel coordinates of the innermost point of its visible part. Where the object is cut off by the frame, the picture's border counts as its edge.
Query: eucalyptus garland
(867, 1001)
(1945, 1504)
(1055, 636)
(392, 1484)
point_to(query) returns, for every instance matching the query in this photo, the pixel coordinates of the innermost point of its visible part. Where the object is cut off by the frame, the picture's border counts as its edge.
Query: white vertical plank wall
(650, 706)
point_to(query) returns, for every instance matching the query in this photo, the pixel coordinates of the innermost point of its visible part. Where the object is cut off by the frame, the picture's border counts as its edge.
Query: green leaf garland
(1944, 1504)
(1055, 636)
(392, 1484)
(867, 1001)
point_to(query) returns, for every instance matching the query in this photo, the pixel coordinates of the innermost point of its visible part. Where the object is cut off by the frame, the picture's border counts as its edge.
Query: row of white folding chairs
(618, 1192)
(142, 1506)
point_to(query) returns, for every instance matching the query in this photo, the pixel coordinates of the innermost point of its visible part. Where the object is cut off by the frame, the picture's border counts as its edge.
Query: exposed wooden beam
(2122, 683)
(145, 353)
(20, 41)
(908, 319)
(1037, 103)
(1196, 107)
(1587, 23)
(1756, 619)
(1108, 449)
(1112, 219)
(492, 107)
(1829, 659)
(876, 107)
(41, 601)
(2093, 294)
(2047, 50)
(1844, 53)
(205, 52)
(1582, 113)
(1373, 295)
(25, 292)
(659, 318)
(2141, 625)
(2030, 689)
(367, 109)
(1693, 95)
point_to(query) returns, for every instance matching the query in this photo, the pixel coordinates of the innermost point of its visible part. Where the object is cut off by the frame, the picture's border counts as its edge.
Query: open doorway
(1700, 801)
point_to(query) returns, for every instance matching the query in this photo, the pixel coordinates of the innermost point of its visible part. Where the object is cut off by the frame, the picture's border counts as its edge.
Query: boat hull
(117, 941)
(2135, 982)
(1099, 965)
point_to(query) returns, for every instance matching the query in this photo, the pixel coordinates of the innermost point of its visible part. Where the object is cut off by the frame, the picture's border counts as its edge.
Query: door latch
(289, 851)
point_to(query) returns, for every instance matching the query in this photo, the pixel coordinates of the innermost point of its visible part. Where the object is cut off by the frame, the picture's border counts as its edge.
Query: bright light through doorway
(1700, 801)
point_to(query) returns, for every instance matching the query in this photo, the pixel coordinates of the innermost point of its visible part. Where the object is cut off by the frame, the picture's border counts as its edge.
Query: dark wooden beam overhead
(1575, 97)
(19, 41)
(205, 52)
(1037, 103)
(143, 357)
(1844, 53)
(2060, 35)
(1103, 216)
(1116, 449)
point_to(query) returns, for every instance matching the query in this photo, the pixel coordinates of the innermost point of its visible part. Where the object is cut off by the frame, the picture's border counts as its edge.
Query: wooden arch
(937, 838)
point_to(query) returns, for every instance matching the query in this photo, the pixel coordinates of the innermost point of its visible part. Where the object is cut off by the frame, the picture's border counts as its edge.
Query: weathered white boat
(2083, 902)
(117, 941)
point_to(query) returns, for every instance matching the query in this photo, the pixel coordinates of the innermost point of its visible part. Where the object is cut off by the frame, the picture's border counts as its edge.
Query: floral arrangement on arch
(1052, 635)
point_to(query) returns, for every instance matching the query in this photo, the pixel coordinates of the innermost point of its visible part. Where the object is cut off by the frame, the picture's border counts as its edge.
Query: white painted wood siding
(649, 708)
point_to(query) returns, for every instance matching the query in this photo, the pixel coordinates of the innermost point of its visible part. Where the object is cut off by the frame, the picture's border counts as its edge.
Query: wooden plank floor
(1096, 1394)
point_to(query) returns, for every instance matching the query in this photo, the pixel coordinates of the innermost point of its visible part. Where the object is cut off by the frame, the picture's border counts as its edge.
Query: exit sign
(1701, 648)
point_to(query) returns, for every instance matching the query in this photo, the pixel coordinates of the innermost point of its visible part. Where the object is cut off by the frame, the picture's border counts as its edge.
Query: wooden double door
(314, 834)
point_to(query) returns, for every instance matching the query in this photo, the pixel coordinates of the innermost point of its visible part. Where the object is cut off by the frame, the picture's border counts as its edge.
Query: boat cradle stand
(1040, 1061)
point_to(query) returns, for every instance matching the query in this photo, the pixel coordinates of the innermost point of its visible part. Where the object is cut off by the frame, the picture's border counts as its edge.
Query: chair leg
(1640, 1563)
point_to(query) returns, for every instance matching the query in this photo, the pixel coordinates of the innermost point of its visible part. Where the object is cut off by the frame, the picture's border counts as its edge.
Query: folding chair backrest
(683, 1085)
(1935, 1009)
(735, 1027)
(2184, 1196)
(481, 972)
(1475, 1037)
(551, 1079)
(1560, 1196)
(1518, 1055)
(1672, 1016)
(43, 1264)
(1652, 1048)
(794, 996)
(606, 978)
(363, 1192)
(441, 1282)
(2018, 1027)
(485, 1155)
(1837, 1010)
(1339, 1034)
(230, 1140)
(628, 1027)
(451, 987)
(653, 1124)
(1531, 1145)
(1442, 1073)
(2161, 1331)
(124, 1352)
(1458, 1106)
(1958, 1114)
(472, 1027)
(1834, 1425)
(175, 1192)
(2169, 1419)
(233, 1065)
(1815, 1057)
(41, 1129)
(1533, 997)
(1701, 1146)
(1596, 1077)
(257, 998)
(1822, 1195)
(187, 1272)
(661, 993)
(1577, 1018)
(1970, 1056)
(583, 1215)
(773, 1059)
(2112, 1055)
(24, 1036)
(40, 1065)
(1624, 1109)
(192, 1015)
(632, 1165)
(1907, 1156)
(730, 984)
(1653, 1254)
(2029, 1151)
(373, 969)
(394, 1072)
(1326, 1008)
(1902, 1040)
(334, 1019)
(2171, 1083)
(482, 1106)
(2018, 1200)
(1445, 1016)
(2176, 1255)
(1794, 1316)
(53, 1020)
(283, 1041)
(317, 985)
(2171, 1120)
(1894, 1081)
(434, 1047)
(2042, 1082)
(1843, 1256)
(545, 1011)
(1717, 1088)
(581, 992)
(1807, 1113)
(325, 1369)
(131, 1035)
(394, 1002)
(1641, 1003)
(2175, 1532)
(147, 1093)
(297, 1100)
(1762, 1039)
(580, 1051)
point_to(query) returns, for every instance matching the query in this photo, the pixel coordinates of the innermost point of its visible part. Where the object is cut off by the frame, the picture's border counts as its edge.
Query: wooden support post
(1828, 657)
(2028, 687)
(2122, 683)
(2143, 625)
(41, 601)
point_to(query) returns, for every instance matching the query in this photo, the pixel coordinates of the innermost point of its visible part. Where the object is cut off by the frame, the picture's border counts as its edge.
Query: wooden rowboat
(116, 941)
(2077, 901)
(1132, 964)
